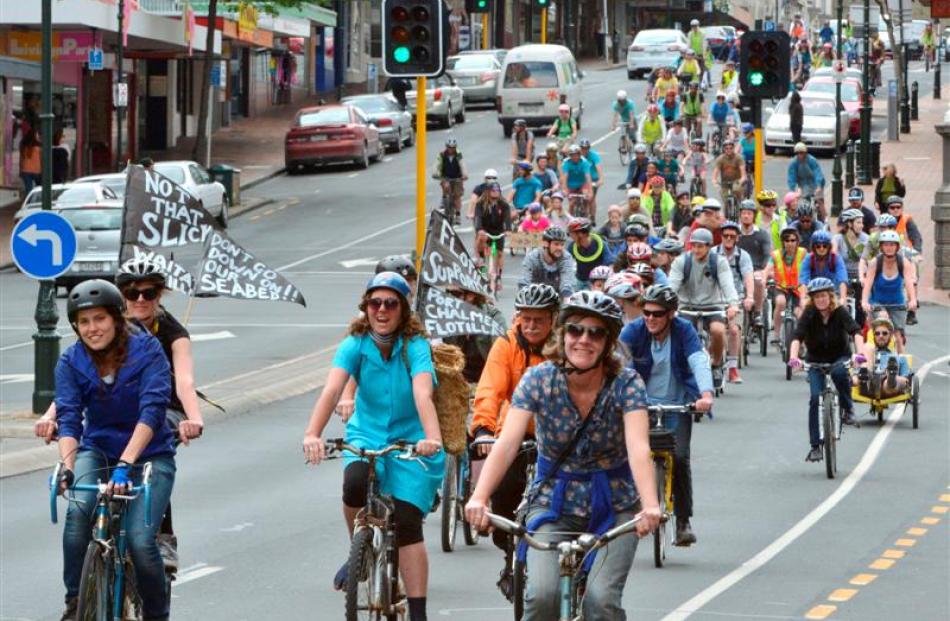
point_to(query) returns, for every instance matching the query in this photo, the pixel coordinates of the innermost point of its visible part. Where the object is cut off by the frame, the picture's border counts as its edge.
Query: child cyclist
(697, 163)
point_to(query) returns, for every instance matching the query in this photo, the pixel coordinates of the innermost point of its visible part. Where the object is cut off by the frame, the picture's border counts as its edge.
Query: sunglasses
(822, 245)
(882, 333)
(730, 236)
(789, 240)
(389, 304)
(132, 294)
(893, 207)
(594, 333)
(655, 314)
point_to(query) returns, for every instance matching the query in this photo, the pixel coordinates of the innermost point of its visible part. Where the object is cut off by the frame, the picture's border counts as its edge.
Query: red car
(850, 98)
(334, 133)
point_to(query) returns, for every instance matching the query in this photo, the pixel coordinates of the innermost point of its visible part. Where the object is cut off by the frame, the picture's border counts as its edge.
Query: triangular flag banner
(446, 262)
(444, 315)
(177, 276)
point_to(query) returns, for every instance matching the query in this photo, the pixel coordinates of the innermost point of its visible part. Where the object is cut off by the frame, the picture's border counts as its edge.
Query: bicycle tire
(786, 353)
(764, 328)
(95, 585)
(915, 400)
(624, 150)
(470, 534)
(131, 600)
(519, 578)
(827, 417)
(659, 535)
(359, 581)
(450, 503)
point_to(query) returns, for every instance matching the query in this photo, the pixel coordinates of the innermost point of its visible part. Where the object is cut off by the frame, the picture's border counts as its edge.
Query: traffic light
(478, 6)
(765, 64)
(542, 3)
(415, 37)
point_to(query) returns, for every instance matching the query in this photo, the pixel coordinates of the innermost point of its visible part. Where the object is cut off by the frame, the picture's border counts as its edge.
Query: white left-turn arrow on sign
(33, 236)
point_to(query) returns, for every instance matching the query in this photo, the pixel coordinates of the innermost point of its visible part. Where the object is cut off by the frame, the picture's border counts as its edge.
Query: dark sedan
(327, 134)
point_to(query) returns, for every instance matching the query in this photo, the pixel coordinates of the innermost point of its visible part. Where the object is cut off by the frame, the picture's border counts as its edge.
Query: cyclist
(719, 114)
(856, 201)
(825, 328)
(549, 264)
(729, 173)
(525, 190)
(491, 177)
(625, 112)
(703, 282)
(758, 244)
(669, 168)
(650, 129)
(596, 173)
(612, 231)
(826, 57)
(588, 250)
(682, 214)
(768, 219)
(637, 253)
(740, 262)
(909, 232)
(450, 171)
(475, 347)
(669, 108)
(634, 204)
(676, 141)
(522, 146)
(564, 128)
(928, 42)
(689, 71)
(801, 64)
(694, 107)
(669, 356)
(784, 267)
(536, 222)
(697, 164)
(554, 157)
(665, 83)
(823, 262)
(556, 212)
(658, 196)
(791, 205)
(664, 253)
(637, 169)
(585, 489)
(747, 147)
(648, 276)
(883, 360)
(550, 182)
(599, 276)
(576, 176)
(890, 283)
(849, 244)
(805, 222)
(709, 217)
(885, 222)
(536, 307)
(697, 43)
(626, 289)
(112, 391)
(387, 353)
(729, 80)
(492, 217)
(804, 173)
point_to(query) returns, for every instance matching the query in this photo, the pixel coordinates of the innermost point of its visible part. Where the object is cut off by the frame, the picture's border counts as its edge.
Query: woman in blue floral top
(590, 484)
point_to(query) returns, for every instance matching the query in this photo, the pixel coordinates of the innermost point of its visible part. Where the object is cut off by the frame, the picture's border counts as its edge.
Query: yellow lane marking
(930, 520)
(841, 595)
(939, 509)
(881, 563)
(916, 531)
(863, 579)
(944, 497)
(905, 543)
(893, 554)
(820, 612)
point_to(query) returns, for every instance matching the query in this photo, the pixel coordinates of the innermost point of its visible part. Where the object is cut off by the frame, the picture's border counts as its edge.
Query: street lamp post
(905, 96)
(45, 339)
(120, 77)
(836, 194)
(864, 171)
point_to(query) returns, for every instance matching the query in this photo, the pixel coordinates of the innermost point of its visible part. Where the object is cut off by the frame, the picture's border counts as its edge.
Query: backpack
(900, 263)
(713, 266)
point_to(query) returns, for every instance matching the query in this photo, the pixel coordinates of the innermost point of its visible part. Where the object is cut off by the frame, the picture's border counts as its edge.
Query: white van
(536, 79)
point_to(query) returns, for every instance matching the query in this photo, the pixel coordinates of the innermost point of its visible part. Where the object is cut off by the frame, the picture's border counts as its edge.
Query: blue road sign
(95, 59)
(43, 245)
(768, 26)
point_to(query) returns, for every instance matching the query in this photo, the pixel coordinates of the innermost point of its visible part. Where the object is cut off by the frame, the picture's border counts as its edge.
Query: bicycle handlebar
(526, 445)
(100, 488)
(701, 314)
(825, 367)
(494, 237)
(688, 408)
(586, 541)
(335, 445)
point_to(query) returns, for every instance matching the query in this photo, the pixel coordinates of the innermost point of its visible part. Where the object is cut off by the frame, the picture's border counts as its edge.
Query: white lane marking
(263, 325)
(916, 159)
(212, 336)
(388, 158)
(695, 603)
(270, 367)
(358, 262)
(200, 570)
(329, 273)
(464, 229)
(16, 378)
(28, 343)
(348, 244)
(237, 527)
(352, 175)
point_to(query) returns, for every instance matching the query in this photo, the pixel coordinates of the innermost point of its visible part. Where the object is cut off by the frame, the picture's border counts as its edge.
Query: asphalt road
(261, 534)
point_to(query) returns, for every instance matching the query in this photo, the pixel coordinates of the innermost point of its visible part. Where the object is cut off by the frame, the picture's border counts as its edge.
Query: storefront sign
(247, 22)
(67, 46)
(939, 9)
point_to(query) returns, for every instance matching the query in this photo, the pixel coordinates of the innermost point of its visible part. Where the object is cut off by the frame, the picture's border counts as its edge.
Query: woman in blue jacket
(112, 389)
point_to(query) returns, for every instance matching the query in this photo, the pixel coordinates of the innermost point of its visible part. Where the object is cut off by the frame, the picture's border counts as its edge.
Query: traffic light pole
(120, 77)
(864, 171)
(421, 104)
(836, 193)
(544, 24)
(758, 162)
(484, 31)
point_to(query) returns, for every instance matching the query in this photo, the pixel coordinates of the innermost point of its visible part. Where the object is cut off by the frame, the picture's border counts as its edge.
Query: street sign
(95, 60)
(707, 6)
(768, 26)
(838, 70)
(465, 39)
(43, 245)
(120, 95)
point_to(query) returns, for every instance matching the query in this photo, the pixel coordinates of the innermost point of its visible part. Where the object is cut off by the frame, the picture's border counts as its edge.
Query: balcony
(162, 7)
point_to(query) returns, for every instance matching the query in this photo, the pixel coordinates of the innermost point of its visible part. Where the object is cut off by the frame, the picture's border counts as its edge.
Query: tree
(201, 152)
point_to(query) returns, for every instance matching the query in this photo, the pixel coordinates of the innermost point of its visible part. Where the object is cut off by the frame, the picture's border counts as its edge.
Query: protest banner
(228, 270)
(177, 277)
(444, 315)
(445, 261)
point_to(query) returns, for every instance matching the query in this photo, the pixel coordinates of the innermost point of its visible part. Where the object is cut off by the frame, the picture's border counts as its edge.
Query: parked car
(65, 194)
(331, 133)
(113, 181)
(98, 230)
(850, 72)
(654, 48)
(394, 123)
(476, 74)
(718, 38)
(536, 80)
(850, 97)
(198, 182)
(818, 129)
(445, 101)
(498, 54)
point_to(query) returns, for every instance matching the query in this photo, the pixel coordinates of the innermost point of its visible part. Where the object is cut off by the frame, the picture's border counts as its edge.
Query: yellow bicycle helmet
(766, 195)
(697, 200)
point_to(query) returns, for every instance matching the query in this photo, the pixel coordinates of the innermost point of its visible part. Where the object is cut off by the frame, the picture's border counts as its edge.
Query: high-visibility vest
(902, 227)
(786, 276)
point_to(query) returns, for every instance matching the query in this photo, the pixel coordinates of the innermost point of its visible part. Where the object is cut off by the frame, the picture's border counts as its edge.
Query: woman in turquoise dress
(387, 353)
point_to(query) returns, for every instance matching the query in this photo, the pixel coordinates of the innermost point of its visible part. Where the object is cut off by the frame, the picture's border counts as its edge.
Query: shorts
(711, 315)
(898, 315)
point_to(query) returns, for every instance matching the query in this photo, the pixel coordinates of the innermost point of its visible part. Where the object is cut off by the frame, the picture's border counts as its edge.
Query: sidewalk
(918, 159)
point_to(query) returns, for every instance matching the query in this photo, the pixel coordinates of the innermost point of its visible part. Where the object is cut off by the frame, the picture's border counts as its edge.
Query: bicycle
(578, 206)
(625, 148)
(494, 277)
(787, 333)
(452, 190)
(571, 556)
(456, 489)
(372, 583)
(729, 202)
(107, 588)
(698, 317)
(830, 411)
(716, 139)
(760, 329)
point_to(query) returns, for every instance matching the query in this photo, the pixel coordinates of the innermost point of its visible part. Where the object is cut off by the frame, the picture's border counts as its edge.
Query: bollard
(849, 164)
(914, 110)
(937, 60)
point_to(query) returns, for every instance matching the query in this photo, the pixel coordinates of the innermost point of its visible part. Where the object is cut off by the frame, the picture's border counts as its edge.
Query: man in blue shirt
(625, 112)
(668, 355)
(826, 33)
(576, 174)
(526, 189)
(596, 174)
(804, 173)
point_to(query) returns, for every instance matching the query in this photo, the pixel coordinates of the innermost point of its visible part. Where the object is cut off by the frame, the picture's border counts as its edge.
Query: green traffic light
(482, 4)
(401, 54)
(756, 78)
(543, 2)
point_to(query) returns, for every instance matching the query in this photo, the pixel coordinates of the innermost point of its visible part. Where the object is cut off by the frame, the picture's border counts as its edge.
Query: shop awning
(19, 69)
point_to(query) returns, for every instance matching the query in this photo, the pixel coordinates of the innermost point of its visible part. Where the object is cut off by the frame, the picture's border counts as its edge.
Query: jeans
(608, 574)
(682, 472)
(816, 381)
(30, 181)
(77, 533)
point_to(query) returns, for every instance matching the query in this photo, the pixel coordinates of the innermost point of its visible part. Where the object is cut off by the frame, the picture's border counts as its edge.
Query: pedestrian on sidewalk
(796, 117)
(887, 186)
(30, 161)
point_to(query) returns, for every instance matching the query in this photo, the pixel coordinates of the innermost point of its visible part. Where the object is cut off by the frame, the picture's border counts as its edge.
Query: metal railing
(162, 7)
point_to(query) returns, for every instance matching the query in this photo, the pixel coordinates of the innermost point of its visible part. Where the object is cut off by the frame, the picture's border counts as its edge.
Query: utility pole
(836, 193)
(864, 176)
(45, 339)
(905, 94)
(120, 78)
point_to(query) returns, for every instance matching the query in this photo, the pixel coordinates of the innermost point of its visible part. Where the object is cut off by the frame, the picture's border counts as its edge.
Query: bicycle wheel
(450, 503)
(95, 585)
(915, 399)
(764, 317)
(624, 150)
(519, 577)
(828, 430)
(360, 583)
(131, 601)
(787, 331)
(470, 534)
(659, 535)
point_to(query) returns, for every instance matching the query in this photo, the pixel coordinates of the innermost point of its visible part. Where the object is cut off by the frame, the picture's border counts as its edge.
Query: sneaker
(847, 418)
(684, 534)
(911, 318)
(72, 607)
(775, 340)
(168, 548)
(342, 575)
(506, 584)
(734, 377)
(814, 454)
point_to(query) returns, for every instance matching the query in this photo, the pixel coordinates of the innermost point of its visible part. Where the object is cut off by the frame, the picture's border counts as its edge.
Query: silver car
(98, 230)
(498, 54)
(445, 102)
(394, 123)
(818, 131)
(66, 194)
(476, 74)
(113, 181)
(198, 182)
(654, 48)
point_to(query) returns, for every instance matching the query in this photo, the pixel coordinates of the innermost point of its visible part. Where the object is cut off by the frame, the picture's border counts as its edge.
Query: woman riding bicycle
(112, 389)
(593, 431)
(564, 128)
(825, 327)
(492, 217)
(387, 353)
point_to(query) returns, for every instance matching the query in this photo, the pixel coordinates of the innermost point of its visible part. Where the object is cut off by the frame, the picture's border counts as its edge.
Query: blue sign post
(43, 245)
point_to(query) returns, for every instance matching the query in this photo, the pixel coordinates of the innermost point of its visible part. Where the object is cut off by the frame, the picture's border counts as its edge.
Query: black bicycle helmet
(537, 296)
(399, 264)
(139, 270)
(93, 294)
(663, 295)
(593, 304)
(805, 209)
(636, 230)
(584, 143)
(554, 233)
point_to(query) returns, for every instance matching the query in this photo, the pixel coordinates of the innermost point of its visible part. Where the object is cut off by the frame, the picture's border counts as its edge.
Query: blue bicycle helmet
(817, 285)
(886, 220)
(729, 224)
(821, 237)
(389, 280)
(747, 127)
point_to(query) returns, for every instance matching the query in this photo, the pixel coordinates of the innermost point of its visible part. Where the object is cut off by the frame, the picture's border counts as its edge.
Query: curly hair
(409, 323)
(554, 351)
(831, 294)
(110, 360)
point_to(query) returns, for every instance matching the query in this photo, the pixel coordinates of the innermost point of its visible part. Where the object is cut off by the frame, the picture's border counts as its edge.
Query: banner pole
(421, 103)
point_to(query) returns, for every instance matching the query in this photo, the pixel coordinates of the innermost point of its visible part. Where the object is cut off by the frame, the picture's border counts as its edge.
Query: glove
(860, 359)
(66, 478)
(795, 363)
(120, 475)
